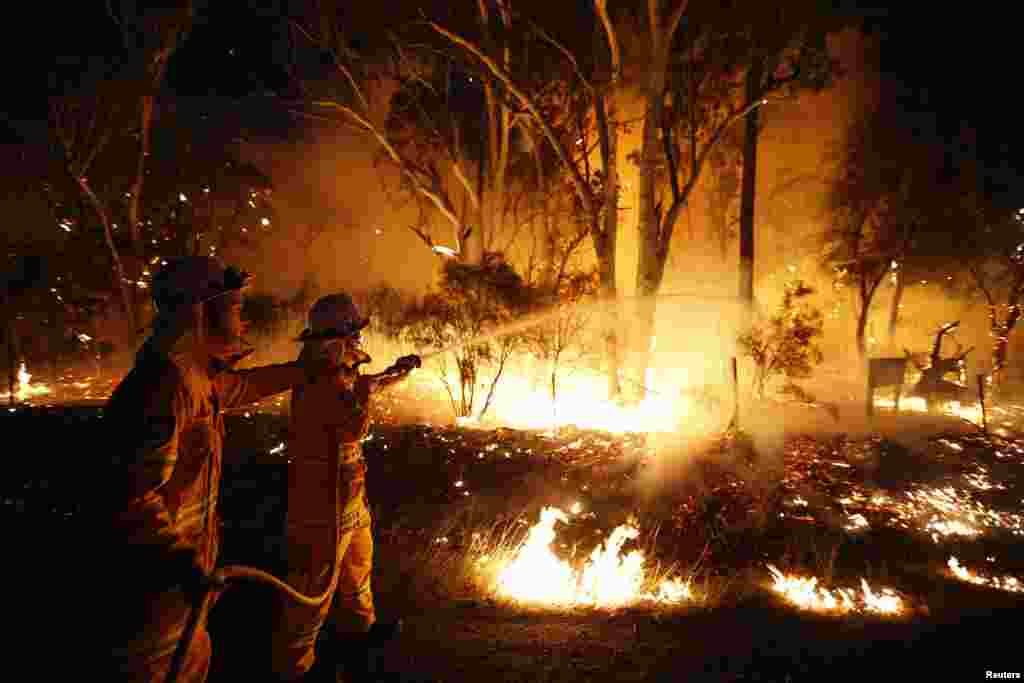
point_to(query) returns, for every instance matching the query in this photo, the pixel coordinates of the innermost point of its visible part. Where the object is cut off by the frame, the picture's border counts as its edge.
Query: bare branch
(678, 202)
(432, 192)
(613, 40)
(673, 22)
(423, 236)
(568, 55)
(670, 157)
(581, 186)
(467, 184)
(979, 280)
(339, 64)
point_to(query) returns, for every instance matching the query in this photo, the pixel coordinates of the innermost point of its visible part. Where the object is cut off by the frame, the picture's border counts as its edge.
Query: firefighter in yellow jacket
(167, 433)
(328, 521)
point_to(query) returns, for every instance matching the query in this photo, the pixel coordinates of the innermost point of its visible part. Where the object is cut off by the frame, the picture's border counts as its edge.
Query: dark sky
(953, 70)
(950, 68)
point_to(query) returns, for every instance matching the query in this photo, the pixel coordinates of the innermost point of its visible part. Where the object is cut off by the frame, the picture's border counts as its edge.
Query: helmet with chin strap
(195, 280)
(334, 316)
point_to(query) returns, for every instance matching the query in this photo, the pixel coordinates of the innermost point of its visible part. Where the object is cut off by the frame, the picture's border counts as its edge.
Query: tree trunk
(613, 319)
(650, 216)
(1001, 349)
(119, 271)
(894, 310)
(747, 195)
(12, 355)
(606, 237)
(862, 324)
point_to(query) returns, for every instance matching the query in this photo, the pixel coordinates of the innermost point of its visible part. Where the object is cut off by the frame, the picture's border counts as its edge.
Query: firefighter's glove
(185, 571)
(408, 363)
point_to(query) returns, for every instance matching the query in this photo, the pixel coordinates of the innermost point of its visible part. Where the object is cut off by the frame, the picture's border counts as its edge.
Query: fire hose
(222, 579)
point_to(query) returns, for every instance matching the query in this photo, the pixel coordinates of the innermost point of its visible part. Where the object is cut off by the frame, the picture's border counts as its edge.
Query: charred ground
(442, 496)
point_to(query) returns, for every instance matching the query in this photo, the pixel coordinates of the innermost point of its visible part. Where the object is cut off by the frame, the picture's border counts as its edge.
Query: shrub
(784, 346)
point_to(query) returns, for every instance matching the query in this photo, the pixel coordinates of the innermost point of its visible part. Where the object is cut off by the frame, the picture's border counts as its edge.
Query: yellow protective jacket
(167, 437)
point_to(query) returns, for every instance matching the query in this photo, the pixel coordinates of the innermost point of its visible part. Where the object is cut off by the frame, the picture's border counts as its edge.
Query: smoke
(342, 223)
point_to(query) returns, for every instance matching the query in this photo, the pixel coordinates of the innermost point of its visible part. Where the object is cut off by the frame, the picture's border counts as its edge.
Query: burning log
(933, 386)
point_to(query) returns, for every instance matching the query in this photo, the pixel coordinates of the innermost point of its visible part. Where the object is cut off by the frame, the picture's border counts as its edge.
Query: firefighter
(167, 437)
(328, 521)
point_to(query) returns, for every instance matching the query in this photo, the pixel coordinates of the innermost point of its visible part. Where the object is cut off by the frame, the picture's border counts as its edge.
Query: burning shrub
(461, 320)
(784, 346)
(386, 308)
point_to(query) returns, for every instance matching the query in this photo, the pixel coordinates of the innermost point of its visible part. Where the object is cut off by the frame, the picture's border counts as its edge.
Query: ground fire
(535, 575)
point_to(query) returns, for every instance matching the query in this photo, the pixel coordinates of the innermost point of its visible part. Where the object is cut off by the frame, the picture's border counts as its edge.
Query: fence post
(735, 422)
(981, 400)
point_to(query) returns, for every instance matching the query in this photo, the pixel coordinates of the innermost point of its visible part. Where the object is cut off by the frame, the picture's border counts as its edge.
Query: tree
(151, 35)
(460, 320)
(785, 53)
(690, 101)
(871, 216)
(992, 248)
(84, 126)
(423, 132)
(597, 191)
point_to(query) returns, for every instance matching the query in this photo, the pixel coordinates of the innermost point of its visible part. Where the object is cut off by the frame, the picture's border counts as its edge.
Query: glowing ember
(805, 593)
(856, 522)
(25, 390)
(447, 251)
(536, 575)
(938, 512)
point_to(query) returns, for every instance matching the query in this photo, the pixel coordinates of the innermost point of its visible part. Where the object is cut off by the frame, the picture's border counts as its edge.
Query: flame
(536, 575)
(1006, 583)
(805, 593)
(25, 390)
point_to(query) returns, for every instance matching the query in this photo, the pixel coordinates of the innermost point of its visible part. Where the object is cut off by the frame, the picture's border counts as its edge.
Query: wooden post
(981, 400)
(735, 422)
(12, 359)
(870, 403)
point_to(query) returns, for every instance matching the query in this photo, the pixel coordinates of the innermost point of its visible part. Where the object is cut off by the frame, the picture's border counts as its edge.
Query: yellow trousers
(349, 609)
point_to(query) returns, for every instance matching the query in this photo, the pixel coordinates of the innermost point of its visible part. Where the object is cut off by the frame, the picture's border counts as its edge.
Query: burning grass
(532, 572)
(805, 593)
(1005, 583)
(566, 518)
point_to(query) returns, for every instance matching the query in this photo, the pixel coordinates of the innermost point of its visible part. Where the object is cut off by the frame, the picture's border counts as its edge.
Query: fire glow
(581, 402)
(805, 593)
(971, 411)
(534, 575)
(25, 388)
